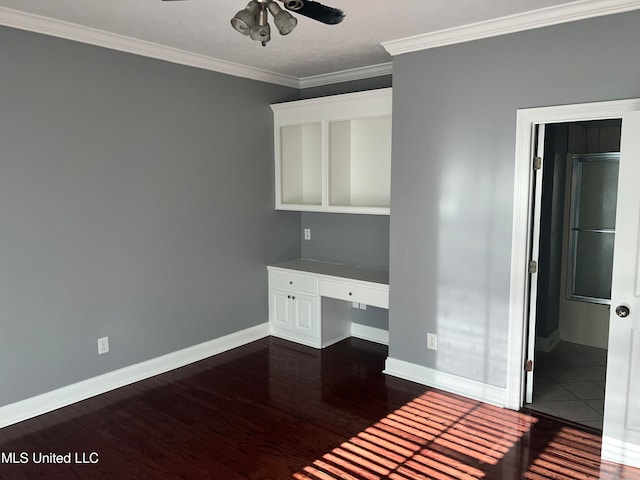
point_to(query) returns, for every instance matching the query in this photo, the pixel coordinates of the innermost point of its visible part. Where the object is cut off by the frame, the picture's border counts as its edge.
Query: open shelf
(333, 154)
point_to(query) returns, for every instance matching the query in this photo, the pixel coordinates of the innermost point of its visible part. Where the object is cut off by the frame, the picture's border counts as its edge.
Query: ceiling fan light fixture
(245, 20)
(261, 33)
(284, 21)
(253, 20)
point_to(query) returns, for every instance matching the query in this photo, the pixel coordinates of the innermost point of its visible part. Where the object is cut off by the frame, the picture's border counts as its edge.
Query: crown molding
(543, 17)
(569, 12)
(71, 31)
(347, 75)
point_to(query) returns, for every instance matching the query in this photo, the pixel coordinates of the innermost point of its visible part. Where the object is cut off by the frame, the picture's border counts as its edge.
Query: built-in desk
(310, 302)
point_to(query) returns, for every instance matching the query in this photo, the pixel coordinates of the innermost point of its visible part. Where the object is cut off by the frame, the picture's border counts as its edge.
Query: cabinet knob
(288, 296)
(350, 293)
(293, 297)
(622, 311)
(290, 282)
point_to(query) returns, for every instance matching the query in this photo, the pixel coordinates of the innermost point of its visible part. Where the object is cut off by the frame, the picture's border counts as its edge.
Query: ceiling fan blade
(319, 12)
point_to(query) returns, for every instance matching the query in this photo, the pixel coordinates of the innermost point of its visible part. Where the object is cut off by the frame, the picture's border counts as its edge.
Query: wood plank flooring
(275, 410)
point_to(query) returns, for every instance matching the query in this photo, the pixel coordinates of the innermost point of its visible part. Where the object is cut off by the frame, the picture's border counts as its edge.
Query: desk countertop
(336, 270)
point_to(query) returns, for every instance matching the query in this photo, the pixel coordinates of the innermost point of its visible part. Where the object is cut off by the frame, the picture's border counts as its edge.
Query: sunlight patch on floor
(434, 436)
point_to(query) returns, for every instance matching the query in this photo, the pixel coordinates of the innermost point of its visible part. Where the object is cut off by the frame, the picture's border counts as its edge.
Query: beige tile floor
(569, 382)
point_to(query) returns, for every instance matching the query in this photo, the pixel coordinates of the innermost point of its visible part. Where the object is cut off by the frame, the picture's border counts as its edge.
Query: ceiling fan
(253, 19)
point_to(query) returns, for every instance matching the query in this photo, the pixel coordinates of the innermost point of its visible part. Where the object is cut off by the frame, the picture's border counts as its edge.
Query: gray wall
(132, 205)
(359, 240)
(454, 117)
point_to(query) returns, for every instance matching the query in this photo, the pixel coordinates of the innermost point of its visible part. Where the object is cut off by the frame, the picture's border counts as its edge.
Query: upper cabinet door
(333, 154)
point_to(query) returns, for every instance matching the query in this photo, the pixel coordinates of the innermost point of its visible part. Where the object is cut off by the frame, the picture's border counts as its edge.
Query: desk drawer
(376, 297)
(290, 281)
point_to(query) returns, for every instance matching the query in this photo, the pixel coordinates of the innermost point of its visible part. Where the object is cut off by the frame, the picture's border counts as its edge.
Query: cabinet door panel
(305, 318)
(281, 310)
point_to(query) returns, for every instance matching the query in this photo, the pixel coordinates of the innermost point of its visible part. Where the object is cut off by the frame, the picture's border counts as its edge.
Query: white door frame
(527, 119)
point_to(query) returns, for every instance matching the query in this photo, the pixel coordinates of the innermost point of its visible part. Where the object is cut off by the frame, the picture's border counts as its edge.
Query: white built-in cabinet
(333, 154)
(310, 302)
(294, 308)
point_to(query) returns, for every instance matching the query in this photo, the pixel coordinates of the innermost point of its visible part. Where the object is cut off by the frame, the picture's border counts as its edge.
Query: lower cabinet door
(294, 316)
(281, 310)
(305, 314)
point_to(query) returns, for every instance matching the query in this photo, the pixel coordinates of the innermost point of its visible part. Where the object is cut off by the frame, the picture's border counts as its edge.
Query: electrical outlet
(363, 306)
(103, 345)
(432, 341)
(307, 234)
(355, 305)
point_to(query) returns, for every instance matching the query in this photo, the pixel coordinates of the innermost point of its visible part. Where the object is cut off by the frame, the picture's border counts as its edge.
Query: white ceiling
(202, 27)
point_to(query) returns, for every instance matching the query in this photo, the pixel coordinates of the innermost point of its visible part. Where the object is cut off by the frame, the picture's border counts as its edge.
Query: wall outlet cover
(432, 341)
(103, 345)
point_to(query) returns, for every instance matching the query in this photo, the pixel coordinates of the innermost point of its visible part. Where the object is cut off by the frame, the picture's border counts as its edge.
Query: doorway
(575, 258)
(621, 427)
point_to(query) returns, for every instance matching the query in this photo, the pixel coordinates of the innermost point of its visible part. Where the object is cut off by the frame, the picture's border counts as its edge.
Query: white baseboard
(447, 382)
(61, 397)
(372, 334)
(617, 451)
(546, 344)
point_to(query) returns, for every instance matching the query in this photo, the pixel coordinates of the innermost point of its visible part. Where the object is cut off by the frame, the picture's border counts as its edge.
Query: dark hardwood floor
(276, 410)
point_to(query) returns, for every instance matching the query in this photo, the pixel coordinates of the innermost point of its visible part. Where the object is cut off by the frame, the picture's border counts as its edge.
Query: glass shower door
(592, 233)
